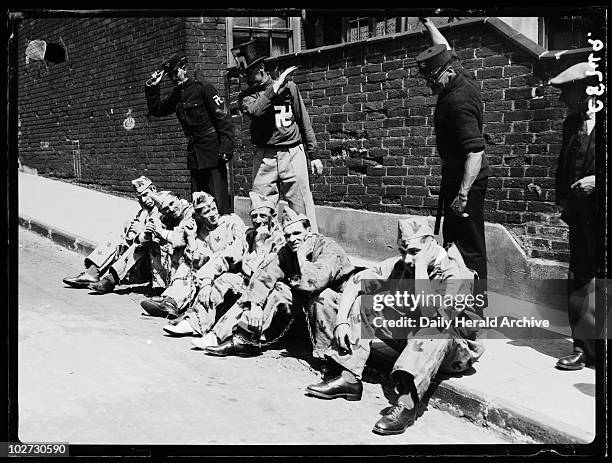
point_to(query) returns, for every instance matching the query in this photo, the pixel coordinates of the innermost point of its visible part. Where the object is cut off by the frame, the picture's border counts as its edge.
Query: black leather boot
(336, 388)
(233, 346)
(396, 421)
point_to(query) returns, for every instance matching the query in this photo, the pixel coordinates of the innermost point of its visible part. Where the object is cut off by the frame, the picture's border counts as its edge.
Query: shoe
(396, 421)
(336, 388)
(182, 329)
(105, 285)
(576, 361)
(160, 306)
(232, 347)
(208, 340)
(83, 280)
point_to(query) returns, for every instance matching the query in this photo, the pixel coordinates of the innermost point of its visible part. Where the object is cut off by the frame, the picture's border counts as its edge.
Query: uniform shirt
(176, 227)
(245, 255)
(327, 267)
(137, 224)
(203, 116)
(208, 243)
(458, 125)
(449, 267)
(278, 120)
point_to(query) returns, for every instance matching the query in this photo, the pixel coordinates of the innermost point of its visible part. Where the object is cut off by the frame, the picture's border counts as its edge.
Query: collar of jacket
(458, 81)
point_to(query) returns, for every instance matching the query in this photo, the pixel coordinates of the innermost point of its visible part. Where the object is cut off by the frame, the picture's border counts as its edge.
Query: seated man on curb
(161, 241)
(98, 262)
(206, 234)
(422, 264)
(230, 271)
(307, 274)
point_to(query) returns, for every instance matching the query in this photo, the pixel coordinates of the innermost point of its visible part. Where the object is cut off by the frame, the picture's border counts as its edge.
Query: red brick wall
(373, 118)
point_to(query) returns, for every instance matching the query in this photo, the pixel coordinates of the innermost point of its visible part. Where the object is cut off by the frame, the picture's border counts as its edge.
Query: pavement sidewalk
(514, 388)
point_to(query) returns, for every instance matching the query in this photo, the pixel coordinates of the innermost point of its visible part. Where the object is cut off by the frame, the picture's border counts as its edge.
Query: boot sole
(74, 284)
(174, 334)
(320, 395)
(565, 367)
(215, 354)
(387, 432)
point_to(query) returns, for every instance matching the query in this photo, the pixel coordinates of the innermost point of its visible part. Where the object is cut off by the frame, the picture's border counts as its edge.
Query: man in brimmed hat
(224, 278)
(280, 129)
(307, 274)
(206, 234)
(575, 193)
(460, 143)
(160, 244)
(107, 253)
(206, 122)
(423, 267)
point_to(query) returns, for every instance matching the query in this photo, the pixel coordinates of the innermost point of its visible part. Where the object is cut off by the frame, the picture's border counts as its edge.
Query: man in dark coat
(460, 143)
(575, 193)
(206, 122)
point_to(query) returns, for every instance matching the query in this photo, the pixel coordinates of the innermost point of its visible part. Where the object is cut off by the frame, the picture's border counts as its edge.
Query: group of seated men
(237, 289)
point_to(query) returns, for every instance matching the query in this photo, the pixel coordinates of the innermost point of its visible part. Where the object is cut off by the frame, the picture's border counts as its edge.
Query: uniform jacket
(204, 117)
(176, 238)
(327, 267)
(134, 227)
(449, 268)
(208, 243)
(458, 125)
(278, 120)
(574, 143)
(244, 255)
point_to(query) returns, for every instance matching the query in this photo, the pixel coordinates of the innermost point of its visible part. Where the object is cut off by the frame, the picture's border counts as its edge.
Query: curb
(508, 418)
(62, 237)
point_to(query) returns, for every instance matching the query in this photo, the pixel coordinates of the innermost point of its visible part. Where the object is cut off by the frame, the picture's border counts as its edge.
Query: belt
(208, 131)
(280, 147)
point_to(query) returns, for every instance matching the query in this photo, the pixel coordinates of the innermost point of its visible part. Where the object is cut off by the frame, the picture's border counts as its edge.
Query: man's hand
(191, 226)
(316, 167)
(584, 187)
(204, 294)
(155, 78)
(305, 249)
(254, 318)
(429, 253)
(278, 83)
(459, 204)
(342, 336)
(120, 249)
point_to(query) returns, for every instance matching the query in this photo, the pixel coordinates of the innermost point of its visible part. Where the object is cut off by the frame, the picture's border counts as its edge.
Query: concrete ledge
(62, 237)
(372, 236)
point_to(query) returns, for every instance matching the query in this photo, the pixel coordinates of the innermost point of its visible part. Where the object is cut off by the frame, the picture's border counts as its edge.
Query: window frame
(294, 28)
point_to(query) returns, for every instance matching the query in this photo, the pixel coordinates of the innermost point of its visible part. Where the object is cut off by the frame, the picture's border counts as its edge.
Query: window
(283, 34)
(361, 28)
(565, 32)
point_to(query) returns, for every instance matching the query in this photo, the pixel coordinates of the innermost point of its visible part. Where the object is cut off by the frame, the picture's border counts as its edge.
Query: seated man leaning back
(423, 267)
(223, 279)
(133, 240)
(206, 234)
(305, 276)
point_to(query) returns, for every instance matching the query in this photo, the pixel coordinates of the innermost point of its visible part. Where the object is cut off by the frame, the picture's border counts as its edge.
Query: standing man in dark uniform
(460, 143)
(575, 193)
(206, 122)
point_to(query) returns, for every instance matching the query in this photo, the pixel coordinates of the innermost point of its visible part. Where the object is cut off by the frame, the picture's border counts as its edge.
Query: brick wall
(83, 103)
(373, 118)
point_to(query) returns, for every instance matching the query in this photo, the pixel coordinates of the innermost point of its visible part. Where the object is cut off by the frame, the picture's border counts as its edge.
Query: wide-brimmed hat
(251, 53)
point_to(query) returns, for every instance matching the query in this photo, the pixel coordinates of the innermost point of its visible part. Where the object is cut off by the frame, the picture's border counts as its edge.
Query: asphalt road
(93, 370)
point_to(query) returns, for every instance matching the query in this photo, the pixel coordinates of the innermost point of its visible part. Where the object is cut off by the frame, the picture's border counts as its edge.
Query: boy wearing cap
(307, 273)
(161, 241)
(280, 129)
(460, 143)
(206, 123)
(421, 260)
(206, 234)
(575, 193)
(227, 275)
(100, 260)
